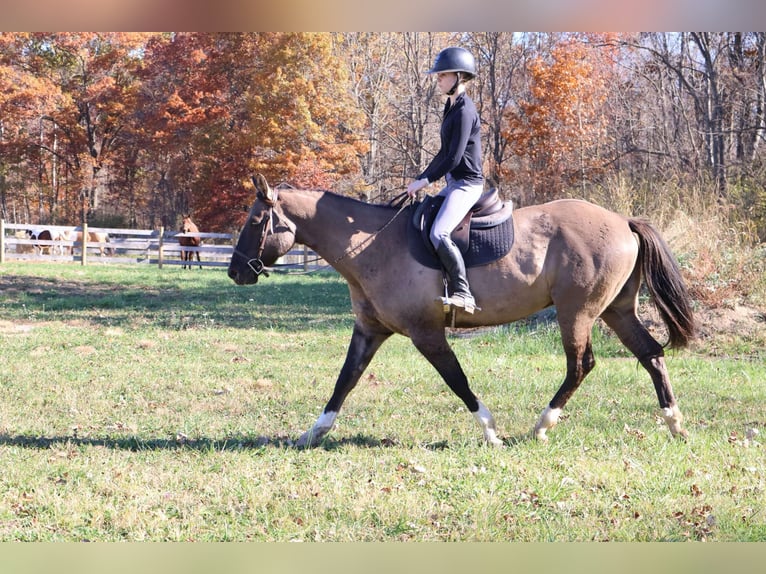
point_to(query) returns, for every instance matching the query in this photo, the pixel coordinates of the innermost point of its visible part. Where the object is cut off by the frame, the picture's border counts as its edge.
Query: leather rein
(256, 264)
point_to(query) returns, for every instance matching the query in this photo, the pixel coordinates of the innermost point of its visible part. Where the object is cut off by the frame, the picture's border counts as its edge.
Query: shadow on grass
(137, 444)
(258, 443)
(172, 302)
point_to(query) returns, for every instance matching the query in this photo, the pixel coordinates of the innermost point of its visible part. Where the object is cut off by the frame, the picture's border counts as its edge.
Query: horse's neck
(328, 223)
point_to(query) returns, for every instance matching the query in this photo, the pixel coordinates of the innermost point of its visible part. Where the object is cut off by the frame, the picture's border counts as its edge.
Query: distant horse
(46, 235)
(98, 237)
(583, 259)
(188, 226)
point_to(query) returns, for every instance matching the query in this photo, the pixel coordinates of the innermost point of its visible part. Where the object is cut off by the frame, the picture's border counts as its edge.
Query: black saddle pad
(485, 244)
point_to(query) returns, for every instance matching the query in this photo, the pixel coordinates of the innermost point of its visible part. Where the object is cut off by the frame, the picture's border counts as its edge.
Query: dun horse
(188, 227)
(585, 260)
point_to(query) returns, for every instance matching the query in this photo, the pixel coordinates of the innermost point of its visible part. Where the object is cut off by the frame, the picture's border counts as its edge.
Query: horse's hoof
(306, 441)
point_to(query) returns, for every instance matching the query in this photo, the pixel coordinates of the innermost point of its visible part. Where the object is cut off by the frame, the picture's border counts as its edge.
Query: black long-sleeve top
(460, 152)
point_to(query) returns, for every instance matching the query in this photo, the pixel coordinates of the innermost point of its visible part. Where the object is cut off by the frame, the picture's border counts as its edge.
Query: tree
(558, 132)
(219, 107)
(95, 79)
(302, 112)
(27, 100)
(500, 61)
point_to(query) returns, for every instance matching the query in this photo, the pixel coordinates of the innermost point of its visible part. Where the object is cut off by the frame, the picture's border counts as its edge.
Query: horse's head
(187, 225)
(266, 235)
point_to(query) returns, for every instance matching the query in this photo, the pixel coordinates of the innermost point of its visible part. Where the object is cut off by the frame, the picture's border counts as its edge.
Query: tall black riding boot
(452, 261)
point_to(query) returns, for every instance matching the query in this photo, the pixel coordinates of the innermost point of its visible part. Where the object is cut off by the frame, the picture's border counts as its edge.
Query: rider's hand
(416, 186)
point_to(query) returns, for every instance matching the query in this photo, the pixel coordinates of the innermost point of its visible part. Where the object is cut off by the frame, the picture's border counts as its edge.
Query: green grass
(145, 404)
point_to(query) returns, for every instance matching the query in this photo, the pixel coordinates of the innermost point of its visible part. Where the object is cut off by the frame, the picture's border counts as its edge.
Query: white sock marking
(548, 419)
(487, 423)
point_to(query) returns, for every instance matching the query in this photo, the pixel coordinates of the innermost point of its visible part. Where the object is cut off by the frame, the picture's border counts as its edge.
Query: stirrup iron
(459, 303)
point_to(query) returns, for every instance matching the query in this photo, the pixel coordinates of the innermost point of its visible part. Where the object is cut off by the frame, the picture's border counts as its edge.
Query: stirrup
(467, 305)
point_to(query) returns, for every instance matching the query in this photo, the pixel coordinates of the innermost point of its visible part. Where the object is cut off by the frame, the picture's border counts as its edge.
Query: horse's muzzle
(244, 277)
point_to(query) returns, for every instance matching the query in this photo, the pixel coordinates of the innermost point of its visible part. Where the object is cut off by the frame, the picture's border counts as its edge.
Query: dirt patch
(741, 320)
(11, 327)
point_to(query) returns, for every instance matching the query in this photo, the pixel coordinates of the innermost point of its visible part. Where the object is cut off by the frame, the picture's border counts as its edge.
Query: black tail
(666, 286)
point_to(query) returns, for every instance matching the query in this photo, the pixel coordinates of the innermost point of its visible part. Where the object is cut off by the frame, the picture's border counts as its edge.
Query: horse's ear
(263, 189)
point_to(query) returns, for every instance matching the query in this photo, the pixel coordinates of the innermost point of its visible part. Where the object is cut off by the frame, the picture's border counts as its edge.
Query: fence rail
(19, 242)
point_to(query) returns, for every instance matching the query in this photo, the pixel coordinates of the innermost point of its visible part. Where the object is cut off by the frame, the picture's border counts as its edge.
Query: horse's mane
(335, 195)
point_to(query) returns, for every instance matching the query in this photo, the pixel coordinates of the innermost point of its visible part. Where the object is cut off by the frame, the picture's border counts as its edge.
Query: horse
(47, 236)
(586, 261)
(99, 237)
(188, 226)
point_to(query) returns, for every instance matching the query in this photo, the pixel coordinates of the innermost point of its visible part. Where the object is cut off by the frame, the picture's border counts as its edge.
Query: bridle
(256, 264)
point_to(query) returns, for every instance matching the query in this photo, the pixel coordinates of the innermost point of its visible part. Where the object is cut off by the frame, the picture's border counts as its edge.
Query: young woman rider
(459, 162)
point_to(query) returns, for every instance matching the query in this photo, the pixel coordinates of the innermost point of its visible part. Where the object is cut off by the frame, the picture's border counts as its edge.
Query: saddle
(485, 234)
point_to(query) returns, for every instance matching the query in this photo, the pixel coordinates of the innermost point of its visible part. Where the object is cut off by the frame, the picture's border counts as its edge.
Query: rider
(459, 162)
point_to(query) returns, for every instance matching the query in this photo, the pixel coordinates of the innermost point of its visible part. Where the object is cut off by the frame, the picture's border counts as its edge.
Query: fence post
(161, 246)
(305, 258)
(84, 259)
(2, 241)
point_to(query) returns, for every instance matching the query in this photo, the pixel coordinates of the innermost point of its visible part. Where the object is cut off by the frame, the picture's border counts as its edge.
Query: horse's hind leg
(363, 346)
(436, 349)
(650, 354)
(576, 337)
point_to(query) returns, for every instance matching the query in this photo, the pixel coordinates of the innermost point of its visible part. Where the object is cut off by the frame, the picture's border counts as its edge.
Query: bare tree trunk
(713, 112)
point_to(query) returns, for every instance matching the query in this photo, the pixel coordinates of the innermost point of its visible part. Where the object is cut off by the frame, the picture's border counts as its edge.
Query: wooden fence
(138, 246)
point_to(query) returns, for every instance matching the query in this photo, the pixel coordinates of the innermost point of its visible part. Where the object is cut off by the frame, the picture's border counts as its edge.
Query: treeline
(138, 129)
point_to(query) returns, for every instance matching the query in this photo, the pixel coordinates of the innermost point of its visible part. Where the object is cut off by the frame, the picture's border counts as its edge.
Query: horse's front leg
(361, 349)
(436, 349)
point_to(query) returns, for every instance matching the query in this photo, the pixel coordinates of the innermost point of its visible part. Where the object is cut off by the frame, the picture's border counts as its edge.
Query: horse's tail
(665, 284)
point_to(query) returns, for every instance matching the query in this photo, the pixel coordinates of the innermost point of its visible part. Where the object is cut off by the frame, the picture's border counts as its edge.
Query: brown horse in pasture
(586, 261)
(189, 227)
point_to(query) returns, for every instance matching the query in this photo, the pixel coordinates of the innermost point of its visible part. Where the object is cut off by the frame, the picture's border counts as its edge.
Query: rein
(256, 265)
(402, 201)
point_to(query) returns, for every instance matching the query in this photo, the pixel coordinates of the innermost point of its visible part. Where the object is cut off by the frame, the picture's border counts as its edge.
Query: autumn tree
(501, 60)
(27, 100)
(95, 82)
(186, 102)
(220, 107)
(304, 125)
(557, 133)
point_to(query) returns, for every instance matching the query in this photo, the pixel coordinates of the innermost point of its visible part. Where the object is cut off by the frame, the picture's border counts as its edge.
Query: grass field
(144, 404)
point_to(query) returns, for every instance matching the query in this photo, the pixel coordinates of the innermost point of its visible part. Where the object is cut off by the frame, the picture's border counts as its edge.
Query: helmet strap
(454, 87)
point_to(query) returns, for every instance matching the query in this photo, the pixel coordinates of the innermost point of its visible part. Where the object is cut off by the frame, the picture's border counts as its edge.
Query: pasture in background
(129, 246)
(145, 404)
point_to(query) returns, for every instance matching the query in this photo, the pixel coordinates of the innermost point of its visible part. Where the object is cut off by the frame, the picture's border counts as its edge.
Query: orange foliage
(557, 132)
(223, 106)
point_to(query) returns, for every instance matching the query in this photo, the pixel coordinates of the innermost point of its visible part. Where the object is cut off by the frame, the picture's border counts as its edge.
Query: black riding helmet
(457, 60)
